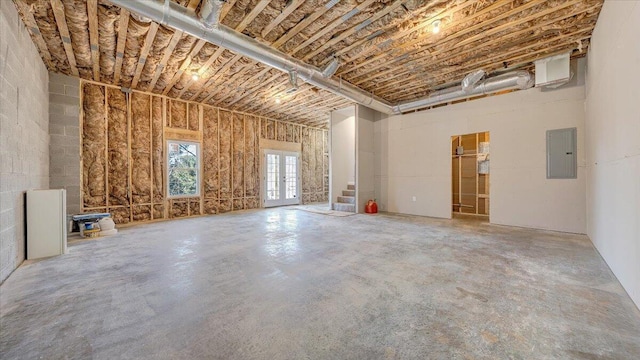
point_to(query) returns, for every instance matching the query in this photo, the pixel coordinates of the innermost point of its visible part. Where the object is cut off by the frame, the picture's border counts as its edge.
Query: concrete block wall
(64, 115)
(24, 132)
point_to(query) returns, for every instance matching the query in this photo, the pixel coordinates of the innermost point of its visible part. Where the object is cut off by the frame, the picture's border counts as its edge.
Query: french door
(281, 178)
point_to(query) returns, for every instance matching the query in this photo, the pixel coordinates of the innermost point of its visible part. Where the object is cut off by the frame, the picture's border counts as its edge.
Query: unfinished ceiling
(385, 47)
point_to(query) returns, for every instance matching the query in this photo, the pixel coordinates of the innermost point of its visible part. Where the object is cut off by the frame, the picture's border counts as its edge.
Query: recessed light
(278, 101)
(195, 76)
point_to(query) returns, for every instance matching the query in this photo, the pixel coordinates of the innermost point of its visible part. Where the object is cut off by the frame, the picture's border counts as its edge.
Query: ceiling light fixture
(278, 101)
(436, 26)
(195, 76)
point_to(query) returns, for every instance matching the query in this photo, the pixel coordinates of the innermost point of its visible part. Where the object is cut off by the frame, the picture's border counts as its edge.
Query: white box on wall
(553, 70)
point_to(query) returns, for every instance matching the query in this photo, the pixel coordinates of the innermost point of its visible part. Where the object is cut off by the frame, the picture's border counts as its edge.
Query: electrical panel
(561, 154)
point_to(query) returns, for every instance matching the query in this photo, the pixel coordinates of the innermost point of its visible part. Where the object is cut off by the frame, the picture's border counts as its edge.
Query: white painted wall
(24, 132)
(613, 135)
(413, 158)
(365, 190)
(343, 151)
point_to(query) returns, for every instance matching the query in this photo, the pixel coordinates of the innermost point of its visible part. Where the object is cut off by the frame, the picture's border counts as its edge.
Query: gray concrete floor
(290, 284)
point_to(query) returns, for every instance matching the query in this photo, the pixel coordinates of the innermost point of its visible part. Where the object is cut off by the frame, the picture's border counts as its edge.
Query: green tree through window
(183, 168)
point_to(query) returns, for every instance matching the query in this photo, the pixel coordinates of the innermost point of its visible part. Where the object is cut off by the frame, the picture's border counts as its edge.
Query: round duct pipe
(179, 17)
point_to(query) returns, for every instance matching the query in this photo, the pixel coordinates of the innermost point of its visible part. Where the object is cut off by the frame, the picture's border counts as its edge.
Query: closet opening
(470, 174)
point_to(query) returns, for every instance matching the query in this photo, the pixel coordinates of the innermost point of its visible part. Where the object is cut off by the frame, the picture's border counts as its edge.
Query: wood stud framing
(143, 122)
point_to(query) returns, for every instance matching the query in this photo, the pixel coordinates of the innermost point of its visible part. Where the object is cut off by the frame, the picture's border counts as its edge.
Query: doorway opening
(281, 178)
(470, 174)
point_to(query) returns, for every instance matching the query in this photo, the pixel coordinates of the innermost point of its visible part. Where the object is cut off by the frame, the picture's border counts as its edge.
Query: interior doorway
(281, 178)
(470, 158)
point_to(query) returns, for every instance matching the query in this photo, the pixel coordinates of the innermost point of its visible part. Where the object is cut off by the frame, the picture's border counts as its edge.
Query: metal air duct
(471, 80)
(206, 26)
(210, 12)
(331, 68)
(293, 81)
(176, 16)
(513, 80)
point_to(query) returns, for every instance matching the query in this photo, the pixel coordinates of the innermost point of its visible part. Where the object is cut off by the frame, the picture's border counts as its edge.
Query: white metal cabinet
(46, 223)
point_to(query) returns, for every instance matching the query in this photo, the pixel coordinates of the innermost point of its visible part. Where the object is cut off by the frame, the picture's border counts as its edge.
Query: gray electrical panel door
(561, 154)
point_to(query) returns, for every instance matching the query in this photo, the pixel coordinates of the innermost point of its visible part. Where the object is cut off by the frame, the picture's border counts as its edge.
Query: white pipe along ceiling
(173, 15)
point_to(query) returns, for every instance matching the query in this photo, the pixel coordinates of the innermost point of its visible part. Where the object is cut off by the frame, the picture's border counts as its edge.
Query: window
(183, 168)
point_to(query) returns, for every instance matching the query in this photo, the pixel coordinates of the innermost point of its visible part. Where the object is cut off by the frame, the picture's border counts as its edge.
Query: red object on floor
(371, 207)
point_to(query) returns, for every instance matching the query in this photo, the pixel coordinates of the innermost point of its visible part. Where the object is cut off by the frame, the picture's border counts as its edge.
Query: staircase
(346, 202)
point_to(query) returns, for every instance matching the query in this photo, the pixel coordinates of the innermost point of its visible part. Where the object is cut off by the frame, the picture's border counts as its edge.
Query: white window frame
(197, 168)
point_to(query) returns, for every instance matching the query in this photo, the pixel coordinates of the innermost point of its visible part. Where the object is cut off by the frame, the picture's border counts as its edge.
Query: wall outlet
(413, 199)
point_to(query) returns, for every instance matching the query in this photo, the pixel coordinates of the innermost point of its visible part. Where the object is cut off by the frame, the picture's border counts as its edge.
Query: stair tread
(346, 199)
(344, 207)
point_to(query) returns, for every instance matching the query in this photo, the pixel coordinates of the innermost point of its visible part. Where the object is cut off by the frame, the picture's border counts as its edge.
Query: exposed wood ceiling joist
(413, 41)
(332, 25)
(301, 25)
(121, 42)
(385, 47)
(193, 4)
(151, 34)
(92, 12)
(283, 15)
(185, 65)
(34, 31)
(61, 20)
(167, 54)
(200, 72)
(339, 37)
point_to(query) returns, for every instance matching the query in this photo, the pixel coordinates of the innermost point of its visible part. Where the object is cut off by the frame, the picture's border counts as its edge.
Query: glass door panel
(273, 177)
(281, 178)
(291, 177)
